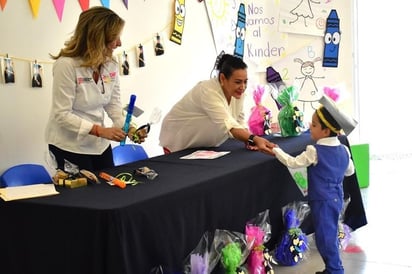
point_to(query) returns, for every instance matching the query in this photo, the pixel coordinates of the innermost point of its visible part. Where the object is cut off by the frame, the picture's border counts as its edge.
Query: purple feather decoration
(199, 264)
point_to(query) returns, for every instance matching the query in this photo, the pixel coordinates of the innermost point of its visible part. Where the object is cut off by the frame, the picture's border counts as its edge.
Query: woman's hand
(263, 145)
(110, 133)
(250, 147)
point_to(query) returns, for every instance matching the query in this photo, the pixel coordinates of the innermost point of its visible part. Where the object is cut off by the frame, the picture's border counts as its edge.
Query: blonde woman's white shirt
(78, 103)
(202, 118)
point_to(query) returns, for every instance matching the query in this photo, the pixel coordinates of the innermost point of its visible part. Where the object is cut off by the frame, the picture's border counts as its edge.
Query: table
(104, 229)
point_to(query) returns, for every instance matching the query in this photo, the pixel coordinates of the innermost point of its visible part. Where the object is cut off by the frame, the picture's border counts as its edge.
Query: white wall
(24, 110)
(385, 95)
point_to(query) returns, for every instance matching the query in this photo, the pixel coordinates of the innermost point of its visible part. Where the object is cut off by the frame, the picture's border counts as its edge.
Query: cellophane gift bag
(233, 249)
(258, 231)
(260, 116)
(203, 259)
(293, 243)
(290, 118)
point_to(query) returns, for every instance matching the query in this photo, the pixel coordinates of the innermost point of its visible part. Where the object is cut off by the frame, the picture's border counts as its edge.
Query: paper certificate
(205, 154)
(28, 191)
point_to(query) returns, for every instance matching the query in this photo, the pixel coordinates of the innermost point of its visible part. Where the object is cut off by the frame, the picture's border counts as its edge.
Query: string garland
(40, 61)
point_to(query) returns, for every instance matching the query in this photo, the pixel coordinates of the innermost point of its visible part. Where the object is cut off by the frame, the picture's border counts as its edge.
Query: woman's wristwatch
(250, 141)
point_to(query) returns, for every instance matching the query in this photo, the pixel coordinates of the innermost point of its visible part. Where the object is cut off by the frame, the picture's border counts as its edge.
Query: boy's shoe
(321, 272)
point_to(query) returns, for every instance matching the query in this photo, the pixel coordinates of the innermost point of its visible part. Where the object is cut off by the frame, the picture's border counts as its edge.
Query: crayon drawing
(308, 90)
(303, 16)
(303, 69)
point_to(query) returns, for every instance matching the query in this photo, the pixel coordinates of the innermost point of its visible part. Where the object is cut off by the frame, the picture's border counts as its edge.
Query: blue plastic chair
(25, 174)
(128, 153)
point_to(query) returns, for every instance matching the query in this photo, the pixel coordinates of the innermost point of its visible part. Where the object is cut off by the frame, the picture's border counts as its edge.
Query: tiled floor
(385, 242)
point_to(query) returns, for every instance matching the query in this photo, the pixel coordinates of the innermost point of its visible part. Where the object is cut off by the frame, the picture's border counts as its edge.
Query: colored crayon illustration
(180, 13)
(240, 32)
(332, 40)
(276, 83)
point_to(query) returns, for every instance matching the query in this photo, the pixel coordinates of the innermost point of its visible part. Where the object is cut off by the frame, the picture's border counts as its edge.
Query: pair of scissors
(136, 135)
(154, 118)
(146, 127)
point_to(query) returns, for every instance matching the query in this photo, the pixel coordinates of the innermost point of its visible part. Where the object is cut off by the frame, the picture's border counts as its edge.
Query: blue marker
(332, 40)
(128, 117)
(240, 32)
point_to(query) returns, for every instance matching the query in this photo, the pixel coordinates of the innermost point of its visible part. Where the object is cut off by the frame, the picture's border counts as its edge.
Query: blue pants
(325, 217)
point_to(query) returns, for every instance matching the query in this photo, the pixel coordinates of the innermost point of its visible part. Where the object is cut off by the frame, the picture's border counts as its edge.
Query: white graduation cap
(347, 123)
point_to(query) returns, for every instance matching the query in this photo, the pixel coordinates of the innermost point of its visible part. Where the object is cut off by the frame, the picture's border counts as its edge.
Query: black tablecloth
(104, 229)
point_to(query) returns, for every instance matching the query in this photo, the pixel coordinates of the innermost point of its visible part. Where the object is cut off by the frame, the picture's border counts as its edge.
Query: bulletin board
(309, 43)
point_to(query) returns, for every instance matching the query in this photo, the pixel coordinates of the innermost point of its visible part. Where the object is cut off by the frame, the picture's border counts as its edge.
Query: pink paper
(59, 7)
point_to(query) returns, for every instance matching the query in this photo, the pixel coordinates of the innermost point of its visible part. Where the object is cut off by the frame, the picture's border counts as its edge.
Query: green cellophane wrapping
(287, 114)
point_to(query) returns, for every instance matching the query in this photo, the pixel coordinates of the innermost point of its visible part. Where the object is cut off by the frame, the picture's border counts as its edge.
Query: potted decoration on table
(290, 118)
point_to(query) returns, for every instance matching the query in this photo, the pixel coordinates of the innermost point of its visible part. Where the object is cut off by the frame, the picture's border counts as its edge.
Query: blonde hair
(97, 27)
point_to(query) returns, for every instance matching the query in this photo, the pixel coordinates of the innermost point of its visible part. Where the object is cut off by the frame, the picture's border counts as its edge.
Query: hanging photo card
(140, 56)
(7, 68)
(36, 74)
(158, 44)
(123, 60)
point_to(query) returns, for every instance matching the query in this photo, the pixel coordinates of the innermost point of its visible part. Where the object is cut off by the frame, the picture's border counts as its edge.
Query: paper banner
(3, 4)
(105, 3)
(35, 4)
(84, 4)
(300, 176)
(126, 3)
(59, 7)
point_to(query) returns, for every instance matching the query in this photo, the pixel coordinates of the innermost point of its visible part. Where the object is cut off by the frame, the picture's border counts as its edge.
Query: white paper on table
(205, 154)
(28, 191)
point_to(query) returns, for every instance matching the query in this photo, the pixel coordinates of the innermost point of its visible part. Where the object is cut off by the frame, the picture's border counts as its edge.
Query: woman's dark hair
(329, 118)
(228, 63)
